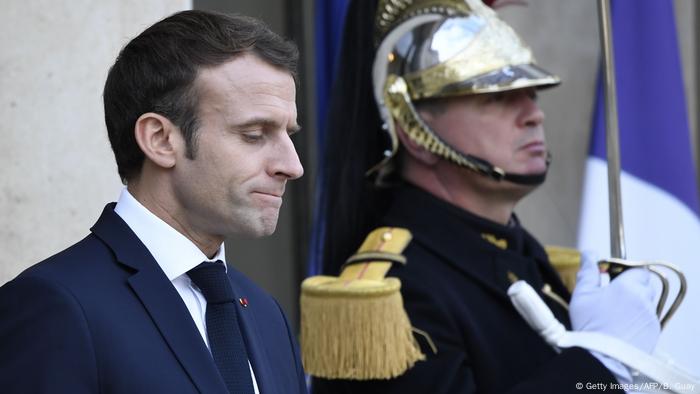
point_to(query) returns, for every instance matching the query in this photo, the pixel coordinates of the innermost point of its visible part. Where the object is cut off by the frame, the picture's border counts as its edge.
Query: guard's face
(244, 155)
(503, 128)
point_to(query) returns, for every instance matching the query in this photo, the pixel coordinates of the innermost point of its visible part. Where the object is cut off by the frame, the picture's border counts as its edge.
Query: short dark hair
(155, 72)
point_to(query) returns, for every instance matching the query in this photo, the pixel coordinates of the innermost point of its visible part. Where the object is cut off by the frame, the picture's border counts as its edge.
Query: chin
(535, 168)
(268, 230)
(256, 223)
(257, 230)
(264, 227)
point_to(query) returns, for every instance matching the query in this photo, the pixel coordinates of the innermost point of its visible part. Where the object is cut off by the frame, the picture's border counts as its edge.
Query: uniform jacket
(102, 317)
(454, 287)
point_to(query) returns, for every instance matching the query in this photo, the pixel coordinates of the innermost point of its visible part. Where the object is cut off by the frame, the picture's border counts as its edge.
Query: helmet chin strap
(485, 168)
(401, 109)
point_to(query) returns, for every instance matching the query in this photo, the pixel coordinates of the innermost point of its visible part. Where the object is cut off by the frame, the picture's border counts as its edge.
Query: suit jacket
(102, 317)
(454, 287)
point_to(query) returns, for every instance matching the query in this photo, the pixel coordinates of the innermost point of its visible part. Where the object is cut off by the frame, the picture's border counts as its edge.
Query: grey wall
(56, 166)
(564, 37)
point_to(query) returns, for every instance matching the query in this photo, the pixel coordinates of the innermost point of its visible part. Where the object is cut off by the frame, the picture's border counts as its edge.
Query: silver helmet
(441, 48)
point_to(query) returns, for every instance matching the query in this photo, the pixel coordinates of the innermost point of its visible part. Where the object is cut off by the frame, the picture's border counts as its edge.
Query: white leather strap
(531, 307)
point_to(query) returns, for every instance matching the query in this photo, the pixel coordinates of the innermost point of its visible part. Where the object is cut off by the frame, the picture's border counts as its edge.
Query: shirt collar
(174, 252)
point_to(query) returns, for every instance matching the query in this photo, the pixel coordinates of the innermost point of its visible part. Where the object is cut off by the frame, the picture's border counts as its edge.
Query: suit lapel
(162, 302)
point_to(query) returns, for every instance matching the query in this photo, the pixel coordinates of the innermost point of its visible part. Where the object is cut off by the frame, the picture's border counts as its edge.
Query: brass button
(386, 237)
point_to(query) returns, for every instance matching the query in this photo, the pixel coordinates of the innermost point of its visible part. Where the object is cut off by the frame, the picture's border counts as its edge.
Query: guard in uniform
(458, 139)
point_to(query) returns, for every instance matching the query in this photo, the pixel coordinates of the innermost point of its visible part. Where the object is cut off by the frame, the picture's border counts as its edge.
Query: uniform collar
(456, 236)
(452, 219)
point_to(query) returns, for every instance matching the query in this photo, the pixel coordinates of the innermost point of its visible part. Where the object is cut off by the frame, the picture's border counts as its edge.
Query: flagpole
(617, 233)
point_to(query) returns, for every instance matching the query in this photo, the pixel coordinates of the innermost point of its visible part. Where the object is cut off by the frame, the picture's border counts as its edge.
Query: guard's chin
(536, 167)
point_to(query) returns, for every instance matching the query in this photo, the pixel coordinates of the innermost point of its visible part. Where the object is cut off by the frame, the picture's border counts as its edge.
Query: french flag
(658, 181)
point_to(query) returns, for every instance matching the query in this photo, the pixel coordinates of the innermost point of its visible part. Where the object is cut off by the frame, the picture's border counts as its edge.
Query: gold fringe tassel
(355, 330)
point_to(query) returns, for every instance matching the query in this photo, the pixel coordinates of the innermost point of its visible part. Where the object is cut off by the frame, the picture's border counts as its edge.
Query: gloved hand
(625, 308)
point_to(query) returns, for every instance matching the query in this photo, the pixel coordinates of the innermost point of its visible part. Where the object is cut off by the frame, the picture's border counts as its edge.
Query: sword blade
(617, 233)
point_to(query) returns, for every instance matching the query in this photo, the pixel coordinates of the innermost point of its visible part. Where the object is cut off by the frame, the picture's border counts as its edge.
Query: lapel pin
(243, 301)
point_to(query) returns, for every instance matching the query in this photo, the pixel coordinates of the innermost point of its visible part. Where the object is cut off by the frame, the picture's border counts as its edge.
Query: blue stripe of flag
(654, 132)
(329, 17)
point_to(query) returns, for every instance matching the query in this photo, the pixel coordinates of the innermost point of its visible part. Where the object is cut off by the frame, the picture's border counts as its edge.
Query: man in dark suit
(199, 109)
(456, 91)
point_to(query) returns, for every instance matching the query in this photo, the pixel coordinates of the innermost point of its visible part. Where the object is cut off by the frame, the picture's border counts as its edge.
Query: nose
(286, 162)
(531, 115)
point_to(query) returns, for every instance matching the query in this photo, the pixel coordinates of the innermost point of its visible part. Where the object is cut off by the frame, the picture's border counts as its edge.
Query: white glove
(625, 309)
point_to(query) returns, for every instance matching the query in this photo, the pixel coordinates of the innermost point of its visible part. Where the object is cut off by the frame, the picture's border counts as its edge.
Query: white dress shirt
(175, 254)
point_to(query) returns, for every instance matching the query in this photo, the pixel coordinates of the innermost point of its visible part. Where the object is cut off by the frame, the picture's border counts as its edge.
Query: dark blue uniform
(454, 287)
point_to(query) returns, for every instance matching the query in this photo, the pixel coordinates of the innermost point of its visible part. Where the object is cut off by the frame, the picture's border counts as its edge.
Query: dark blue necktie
(225, 339)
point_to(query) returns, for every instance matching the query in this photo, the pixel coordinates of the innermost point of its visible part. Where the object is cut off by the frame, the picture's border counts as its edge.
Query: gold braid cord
(398, 102)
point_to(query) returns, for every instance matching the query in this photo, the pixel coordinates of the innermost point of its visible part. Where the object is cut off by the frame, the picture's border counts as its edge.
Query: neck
(153, 195)
(478, 194)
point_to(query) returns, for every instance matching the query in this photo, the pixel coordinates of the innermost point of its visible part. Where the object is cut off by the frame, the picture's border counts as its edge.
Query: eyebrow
(266, 123)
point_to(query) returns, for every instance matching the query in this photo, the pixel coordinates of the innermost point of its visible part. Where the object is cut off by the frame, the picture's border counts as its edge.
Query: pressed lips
(271, 194)
(535, 147)
(271, 197)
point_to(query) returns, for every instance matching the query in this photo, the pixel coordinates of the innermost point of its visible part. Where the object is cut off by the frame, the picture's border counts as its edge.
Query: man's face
(244, 155)
(504, 129)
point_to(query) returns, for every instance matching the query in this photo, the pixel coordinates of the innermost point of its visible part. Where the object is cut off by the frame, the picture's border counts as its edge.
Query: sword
(618, 263)
(612, 133)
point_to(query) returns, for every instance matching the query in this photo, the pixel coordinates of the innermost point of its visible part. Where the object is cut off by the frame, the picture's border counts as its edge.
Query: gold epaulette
(567, 262)
(354, 326)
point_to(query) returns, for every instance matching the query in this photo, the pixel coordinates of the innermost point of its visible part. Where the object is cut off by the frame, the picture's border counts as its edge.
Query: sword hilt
(615, 266)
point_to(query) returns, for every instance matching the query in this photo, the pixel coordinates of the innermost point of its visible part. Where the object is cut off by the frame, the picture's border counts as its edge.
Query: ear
(157, 138)
(414, 150)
